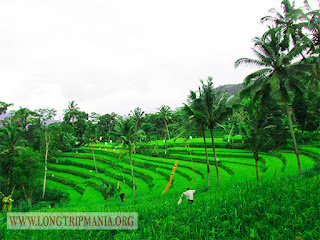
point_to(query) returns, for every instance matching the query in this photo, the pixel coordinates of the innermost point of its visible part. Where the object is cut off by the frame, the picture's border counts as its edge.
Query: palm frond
(256, 75)
(249, 61)
(294, 53)
(262, 57)
(254, 86)
(221, 126)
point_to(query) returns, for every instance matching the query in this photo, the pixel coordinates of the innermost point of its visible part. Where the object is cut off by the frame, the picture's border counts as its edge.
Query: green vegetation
(270, 209)
(263, 143)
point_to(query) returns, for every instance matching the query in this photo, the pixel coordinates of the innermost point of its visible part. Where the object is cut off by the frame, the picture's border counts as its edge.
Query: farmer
(122, 197)
(189, 194)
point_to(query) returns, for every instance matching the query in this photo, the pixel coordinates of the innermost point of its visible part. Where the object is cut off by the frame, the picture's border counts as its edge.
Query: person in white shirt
(189, 194)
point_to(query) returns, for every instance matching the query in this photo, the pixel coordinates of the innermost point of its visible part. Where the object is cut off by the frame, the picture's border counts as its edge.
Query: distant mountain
(230, 89)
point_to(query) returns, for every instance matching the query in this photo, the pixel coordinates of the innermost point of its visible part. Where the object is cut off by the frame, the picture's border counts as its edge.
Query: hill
(230, 89)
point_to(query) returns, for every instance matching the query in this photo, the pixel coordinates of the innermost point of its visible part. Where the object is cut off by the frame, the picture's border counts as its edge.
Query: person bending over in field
(122, 197)
(189, 194)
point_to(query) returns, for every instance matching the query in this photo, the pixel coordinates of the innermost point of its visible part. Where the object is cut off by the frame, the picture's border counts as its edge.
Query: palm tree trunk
(240, 133)
(165, 144)
(133, 184)
(291, 129)
(94, 159)
(45, 163)
(167, 129)
(208, 164)
(215, 156)
(293, 137)
(256, 158)
(25, 135)
(230, 133)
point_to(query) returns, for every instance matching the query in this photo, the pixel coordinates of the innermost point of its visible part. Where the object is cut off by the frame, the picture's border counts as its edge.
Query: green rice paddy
(152, 173)
(240, 207)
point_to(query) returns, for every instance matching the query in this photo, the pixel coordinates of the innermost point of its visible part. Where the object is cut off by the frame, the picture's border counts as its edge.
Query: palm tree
(313, 26)
(138, 116)
(10, 139)
(236, 120)
(91, 137)
(165, 113)
(256, 124)
(290, 23)
(212, 111)
(126, 130)
(196, 122)
(71, 112)
(278, 70)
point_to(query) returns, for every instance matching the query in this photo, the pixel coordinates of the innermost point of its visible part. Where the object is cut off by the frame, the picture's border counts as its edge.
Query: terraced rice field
(74, 173)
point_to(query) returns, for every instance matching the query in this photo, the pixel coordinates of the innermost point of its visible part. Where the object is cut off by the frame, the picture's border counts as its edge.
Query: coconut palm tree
(256, 126)
(291, 23)
(196, 122)
(313, 25)
(70, 113)
(278, 69)
(165, 113)
(138, 116)
(126, 131)
(212, 111)
(236, 120)
(91, 137)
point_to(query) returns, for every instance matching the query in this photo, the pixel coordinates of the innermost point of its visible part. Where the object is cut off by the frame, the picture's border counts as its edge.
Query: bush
(52, 195)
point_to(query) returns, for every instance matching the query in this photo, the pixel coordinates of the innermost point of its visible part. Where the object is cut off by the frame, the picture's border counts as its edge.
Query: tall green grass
(286, 208)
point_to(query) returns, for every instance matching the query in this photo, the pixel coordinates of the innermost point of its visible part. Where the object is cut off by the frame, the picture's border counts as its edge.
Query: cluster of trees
(288, 57)
(287, 82)
(30, 138)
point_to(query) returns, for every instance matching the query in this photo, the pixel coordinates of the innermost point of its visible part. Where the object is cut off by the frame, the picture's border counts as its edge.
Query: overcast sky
(113, 56)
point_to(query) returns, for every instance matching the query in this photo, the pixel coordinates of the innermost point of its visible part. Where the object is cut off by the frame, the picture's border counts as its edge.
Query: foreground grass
(286, 208)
